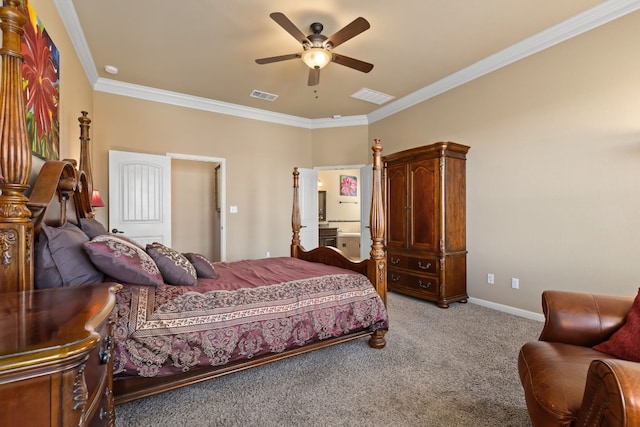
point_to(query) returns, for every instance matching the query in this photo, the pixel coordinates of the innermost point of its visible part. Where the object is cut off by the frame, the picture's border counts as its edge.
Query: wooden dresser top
(49, 325)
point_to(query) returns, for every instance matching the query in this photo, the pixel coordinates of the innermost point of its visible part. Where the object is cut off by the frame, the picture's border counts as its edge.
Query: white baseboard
(508, 309)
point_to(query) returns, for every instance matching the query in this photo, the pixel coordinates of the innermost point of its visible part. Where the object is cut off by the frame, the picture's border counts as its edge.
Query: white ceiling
(201, 52)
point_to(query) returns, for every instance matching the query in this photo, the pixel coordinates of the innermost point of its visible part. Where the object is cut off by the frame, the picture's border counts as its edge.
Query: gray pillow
(60, 259)
(175, 268)
(92, 227)
(204, 267)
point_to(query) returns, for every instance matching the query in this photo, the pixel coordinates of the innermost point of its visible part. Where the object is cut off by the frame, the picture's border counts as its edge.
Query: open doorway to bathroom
(340, 189)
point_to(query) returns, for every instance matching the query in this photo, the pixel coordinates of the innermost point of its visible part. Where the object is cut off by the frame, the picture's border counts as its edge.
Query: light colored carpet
(453, 367)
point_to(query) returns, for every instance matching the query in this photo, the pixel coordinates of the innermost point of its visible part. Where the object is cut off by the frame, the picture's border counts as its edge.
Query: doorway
(343, 208)
(198, 200)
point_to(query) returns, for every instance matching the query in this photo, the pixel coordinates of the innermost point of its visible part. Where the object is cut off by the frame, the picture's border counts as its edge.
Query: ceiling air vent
(263, 95)
(372, 96)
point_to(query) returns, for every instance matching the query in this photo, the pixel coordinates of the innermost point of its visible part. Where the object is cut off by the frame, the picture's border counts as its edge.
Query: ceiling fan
(317, 48)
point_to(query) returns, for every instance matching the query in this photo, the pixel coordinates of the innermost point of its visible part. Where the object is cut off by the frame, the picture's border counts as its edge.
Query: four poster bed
(168, 333)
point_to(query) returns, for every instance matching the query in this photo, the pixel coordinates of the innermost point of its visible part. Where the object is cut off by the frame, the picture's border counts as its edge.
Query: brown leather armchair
(565, 381)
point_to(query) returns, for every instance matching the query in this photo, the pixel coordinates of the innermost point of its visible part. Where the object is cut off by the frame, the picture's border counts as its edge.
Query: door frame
(222, 193)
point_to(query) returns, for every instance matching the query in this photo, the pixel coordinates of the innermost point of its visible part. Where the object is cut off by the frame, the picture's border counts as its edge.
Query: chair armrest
(611, 394)
(580, 318)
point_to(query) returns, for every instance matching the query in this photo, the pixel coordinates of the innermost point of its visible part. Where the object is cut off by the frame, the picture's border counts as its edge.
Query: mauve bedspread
(253, 307)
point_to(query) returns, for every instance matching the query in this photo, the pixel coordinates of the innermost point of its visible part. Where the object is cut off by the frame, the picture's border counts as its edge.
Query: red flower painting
(41, 86)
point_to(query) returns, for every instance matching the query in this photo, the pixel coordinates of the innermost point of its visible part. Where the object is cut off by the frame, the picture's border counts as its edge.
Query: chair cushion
(554, 376)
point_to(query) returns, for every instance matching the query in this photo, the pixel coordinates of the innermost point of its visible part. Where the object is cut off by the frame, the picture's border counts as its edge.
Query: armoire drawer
(400, 281)
(427, 265)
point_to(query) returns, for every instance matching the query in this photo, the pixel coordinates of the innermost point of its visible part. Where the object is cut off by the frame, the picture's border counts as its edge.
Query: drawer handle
(395, 260)
(105, 353)
(424, 267)
(422, 285)
(103, 414)
(395, 278)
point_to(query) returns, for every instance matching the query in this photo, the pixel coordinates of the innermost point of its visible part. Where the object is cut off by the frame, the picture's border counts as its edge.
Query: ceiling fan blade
(278, 58)
(356, 27)
(288, 26)
(356, 64)
(314, 76)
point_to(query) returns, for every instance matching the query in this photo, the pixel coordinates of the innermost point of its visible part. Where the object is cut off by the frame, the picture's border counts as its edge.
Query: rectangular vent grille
(263, 95)
(372, 96)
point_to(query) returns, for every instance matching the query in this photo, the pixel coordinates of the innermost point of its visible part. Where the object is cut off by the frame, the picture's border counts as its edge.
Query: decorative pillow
(60, 260)
(204, 267)
(625, 342)
(175, 268)
(123, 260)
(92, 227)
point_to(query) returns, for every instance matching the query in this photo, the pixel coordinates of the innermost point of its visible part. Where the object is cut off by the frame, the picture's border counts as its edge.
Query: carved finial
(296, 220)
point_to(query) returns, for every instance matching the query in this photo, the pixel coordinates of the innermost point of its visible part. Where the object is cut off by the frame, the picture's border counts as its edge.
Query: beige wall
(341, 146)
(553, 174)
(76, 93)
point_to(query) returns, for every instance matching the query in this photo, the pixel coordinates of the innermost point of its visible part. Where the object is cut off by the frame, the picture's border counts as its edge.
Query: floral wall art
(41, 86)
(348, 185)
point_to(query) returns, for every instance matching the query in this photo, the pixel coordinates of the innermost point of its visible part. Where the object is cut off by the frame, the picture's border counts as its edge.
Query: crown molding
(76, 35)
(598, 15)
(198, 103)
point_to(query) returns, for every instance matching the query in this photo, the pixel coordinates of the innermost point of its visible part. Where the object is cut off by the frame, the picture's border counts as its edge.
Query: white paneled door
(308, 193)
(140, 196)
(366, 192)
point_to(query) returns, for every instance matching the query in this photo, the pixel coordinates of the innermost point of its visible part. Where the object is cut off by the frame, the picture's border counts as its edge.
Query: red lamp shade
(96, 200)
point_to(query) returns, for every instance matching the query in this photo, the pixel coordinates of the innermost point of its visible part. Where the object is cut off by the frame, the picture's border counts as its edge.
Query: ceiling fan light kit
(316, 57)
(317, 48)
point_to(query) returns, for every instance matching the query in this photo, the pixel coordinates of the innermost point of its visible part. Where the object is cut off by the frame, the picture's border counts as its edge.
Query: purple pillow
(92, 227)
(175, 268)
(123, 260)
(204, 267)
(60, 260)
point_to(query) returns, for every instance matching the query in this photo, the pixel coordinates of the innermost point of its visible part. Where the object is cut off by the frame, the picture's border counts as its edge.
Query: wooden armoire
(426, 222)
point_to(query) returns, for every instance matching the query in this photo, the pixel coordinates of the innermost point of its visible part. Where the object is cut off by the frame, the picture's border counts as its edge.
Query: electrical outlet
(515, 283)
(490, 279)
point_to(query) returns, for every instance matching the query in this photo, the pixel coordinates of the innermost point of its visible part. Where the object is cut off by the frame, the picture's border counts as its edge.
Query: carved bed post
(295, 215)
(16, 230)
(86, 210)
(85, 151)
(377, 256)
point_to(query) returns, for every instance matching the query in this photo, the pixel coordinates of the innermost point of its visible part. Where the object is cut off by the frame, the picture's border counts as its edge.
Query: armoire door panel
(424, 192)
(397, 206)
(455, 206)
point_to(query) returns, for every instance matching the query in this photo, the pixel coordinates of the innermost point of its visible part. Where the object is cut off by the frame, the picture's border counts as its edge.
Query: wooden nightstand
(56, 350)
